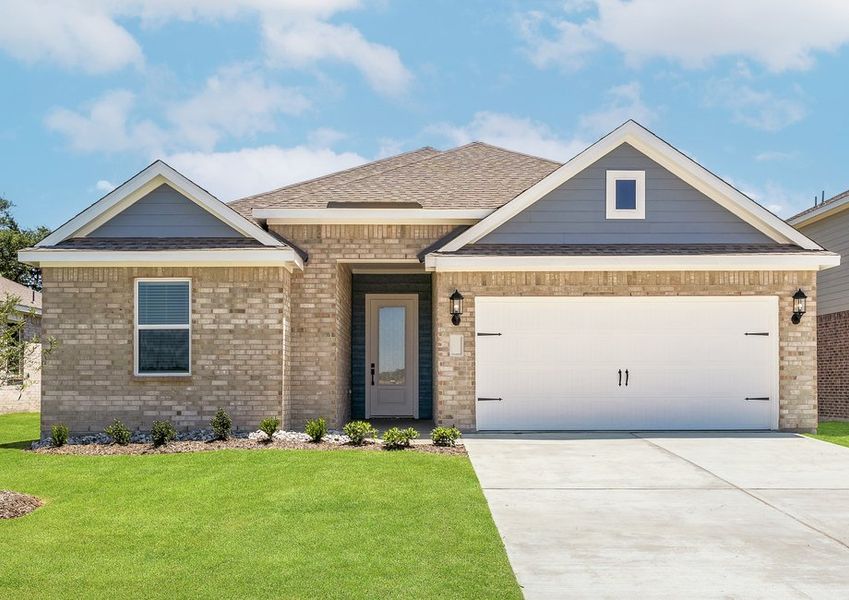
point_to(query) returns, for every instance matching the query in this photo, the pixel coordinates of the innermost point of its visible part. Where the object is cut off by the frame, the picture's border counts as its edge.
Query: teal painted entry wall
(390, 284)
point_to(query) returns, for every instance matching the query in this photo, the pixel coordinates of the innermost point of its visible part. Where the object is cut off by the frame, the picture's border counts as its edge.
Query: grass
(261, 523)
(836, 432)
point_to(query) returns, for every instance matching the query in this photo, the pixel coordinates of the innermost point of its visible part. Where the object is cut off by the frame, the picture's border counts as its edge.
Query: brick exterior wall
(321, 307)
(240, 334)
(26, 398)
(455, 376)
(832, 358)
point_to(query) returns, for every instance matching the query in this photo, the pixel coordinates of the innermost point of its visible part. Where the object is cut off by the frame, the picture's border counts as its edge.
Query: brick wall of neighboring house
(240, 332)
(26, 397)
(832, 358)
(321, 307)
(455, 376)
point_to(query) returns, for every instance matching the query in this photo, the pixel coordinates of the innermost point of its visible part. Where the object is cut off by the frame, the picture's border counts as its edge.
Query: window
(163, 327)
(626, 194)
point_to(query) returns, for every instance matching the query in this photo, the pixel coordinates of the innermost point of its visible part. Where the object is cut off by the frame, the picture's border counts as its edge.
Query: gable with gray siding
(575, 212)
(832, 233)
(164, 213)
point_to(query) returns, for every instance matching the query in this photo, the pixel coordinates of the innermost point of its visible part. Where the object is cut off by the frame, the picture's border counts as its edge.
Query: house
(20, 381)
(828, 224)
(629, 288)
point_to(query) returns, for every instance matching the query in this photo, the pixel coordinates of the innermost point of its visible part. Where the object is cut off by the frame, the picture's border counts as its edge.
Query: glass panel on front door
(391, 348)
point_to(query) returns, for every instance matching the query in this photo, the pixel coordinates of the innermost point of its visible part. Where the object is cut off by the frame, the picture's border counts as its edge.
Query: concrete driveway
(669, 515)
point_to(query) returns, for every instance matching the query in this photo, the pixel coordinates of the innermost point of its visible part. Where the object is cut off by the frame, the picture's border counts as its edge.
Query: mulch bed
(236, 443)
(15, 504)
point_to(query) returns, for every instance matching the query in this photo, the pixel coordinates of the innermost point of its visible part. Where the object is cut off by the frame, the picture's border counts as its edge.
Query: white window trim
(626, 213)
(136, 328)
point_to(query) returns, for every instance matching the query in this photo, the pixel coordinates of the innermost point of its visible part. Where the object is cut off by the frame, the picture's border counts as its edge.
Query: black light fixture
(456, 306)
(799, 301)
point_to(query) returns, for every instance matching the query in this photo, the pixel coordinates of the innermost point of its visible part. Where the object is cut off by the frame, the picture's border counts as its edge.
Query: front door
(392, 324)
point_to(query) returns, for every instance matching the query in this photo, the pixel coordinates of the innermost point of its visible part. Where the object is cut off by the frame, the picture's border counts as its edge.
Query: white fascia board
(369, 216)
(48, 257)
(138, 186)
(665, 155)
(734, 262)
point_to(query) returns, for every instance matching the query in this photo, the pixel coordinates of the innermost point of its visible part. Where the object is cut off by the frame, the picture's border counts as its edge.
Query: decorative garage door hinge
(481, 334)
(759, 398)
(756, 333)
(489, 399)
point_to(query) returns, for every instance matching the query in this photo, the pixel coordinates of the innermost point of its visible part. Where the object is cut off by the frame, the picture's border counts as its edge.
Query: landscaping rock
(15, 504)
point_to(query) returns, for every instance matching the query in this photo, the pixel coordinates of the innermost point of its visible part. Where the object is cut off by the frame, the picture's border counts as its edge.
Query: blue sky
(245, 96)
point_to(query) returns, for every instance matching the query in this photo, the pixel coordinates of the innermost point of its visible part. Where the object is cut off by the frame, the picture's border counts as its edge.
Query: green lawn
(836, 432)
(263, 524)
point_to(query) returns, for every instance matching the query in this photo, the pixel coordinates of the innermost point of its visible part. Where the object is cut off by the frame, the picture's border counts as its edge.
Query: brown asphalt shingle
(473, 176)
(832, 200)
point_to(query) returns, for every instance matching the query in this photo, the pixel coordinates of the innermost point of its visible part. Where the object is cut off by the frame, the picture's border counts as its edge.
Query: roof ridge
(335, 173)
(503, 149)
(442, 154)
(831, 200)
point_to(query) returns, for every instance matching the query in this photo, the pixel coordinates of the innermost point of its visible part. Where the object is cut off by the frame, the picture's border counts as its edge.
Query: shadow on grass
(19, 445)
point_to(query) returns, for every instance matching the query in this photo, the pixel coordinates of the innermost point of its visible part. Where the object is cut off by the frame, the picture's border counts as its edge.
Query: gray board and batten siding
(832, 233)
(676, 212)
(164, 213)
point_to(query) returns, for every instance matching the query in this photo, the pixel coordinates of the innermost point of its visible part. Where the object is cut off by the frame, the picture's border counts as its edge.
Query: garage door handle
(620, 377)
(489, 399)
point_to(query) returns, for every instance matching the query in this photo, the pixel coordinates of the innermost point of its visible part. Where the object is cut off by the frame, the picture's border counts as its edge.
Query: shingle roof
(476, 175)
(832, 200)
(27, 297)
(284, 196)
(189, 243)
(624, 249)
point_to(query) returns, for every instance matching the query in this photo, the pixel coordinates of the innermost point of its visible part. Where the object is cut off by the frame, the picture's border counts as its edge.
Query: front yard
(231, 523)
(836, 432)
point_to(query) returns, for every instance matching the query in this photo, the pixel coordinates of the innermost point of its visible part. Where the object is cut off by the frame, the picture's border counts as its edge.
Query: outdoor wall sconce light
(799, 301)
(456, 306)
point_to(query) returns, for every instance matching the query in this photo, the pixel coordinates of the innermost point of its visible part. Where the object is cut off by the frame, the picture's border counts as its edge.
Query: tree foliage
(12, 239)
(19, 347)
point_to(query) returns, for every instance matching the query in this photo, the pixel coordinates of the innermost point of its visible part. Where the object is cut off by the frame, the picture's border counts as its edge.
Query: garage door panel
(689, 363)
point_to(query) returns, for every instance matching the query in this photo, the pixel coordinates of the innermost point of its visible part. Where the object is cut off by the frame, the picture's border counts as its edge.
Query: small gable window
(626, 194)
(163, 327)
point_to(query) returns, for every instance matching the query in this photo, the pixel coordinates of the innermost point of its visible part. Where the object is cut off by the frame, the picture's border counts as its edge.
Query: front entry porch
(392, 347)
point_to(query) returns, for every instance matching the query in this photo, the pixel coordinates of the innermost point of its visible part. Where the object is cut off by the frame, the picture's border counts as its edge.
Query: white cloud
(107, 126)
(774, 156)
(104, 185)
(756, 108)
(301, 43)
(511, 132)
(235, 101)
(776, 198)
(87, 34)
(623, 102)
(779, 34)
(70, 34)
(231, 175)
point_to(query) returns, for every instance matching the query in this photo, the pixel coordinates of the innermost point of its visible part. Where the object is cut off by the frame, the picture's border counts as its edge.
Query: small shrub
(358, 431)
(316, 429)
(269, 426)
(221, 424)
(162, 432)
(395, 438)
(119, 433)
(59, 435)
(445, 436)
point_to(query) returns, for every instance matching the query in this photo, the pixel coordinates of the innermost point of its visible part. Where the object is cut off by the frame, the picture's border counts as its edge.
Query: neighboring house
(20, 389)
(628, 288)
(828, 224)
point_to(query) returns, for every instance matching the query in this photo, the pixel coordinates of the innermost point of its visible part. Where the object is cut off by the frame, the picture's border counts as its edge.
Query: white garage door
(626, 363)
